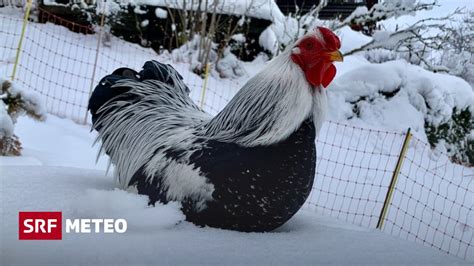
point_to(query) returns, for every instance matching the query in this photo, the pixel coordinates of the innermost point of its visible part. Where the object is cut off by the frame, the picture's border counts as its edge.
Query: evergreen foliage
(457, 134)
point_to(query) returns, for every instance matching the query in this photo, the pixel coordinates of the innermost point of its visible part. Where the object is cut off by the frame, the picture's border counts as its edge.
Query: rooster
(251, 167)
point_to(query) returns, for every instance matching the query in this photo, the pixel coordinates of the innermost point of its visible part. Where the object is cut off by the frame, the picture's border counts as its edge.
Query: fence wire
(354, 169)
(432, 201)
(10, 31)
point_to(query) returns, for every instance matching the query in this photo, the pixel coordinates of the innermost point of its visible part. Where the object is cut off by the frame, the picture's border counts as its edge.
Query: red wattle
(314, 74)
(321, 74)
(328, 76)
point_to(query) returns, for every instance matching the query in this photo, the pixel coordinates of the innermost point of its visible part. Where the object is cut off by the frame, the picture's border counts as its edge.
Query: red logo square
(40, 225)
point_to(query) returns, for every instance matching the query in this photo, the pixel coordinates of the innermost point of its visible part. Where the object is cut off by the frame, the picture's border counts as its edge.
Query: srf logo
(40, 225)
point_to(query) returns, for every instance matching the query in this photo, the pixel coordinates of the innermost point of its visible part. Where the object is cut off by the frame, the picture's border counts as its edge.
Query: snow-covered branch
(416, 41)
(308, 20)
(366, 19)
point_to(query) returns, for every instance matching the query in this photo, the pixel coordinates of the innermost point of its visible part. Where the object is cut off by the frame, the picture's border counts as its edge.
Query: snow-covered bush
(218, 26)
(285, 30)
(15, 103)
(398, 95)
(190, 53)
(227, 65)
(123, 19)
(213, 24)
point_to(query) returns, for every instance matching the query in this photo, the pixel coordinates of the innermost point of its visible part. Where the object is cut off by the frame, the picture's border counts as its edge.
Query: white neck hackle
(270, 106)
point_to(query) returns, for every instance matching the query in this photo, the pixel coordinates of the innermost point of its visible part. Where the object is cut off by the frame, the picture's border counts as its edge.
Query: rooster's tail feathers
(105, 90)
(109, 87)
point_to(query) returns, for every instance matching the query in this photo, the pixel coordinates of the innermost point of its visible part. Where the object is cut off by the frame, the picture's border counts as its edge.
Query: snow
(144, 23)
(6, 123)
(441, 92)
(52, 3)
(139, 10)
(394, 8)
(282, 31)
(436, 25)
(129, 206)
(58, 172)
(351, 39)
(442, 8)
(239, 37)
(229, 66)
(56, 141)
(263, 9)
(161, 13)
(268, 40)
(158, 235)
(31, 101)
(381, 36)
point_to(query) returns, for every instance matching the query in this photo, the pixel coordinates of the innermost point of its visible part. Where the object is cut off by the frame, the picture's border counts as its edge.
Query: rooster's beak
(336, 56)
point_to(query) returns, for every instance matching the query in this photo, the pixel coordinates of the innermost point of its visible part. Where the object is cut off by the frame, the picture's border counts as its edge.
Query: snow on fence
(431, 201)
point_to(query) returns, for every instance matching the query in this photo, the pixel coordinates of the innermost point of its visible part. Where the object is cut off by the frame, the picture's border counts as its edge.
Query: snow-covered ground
(58, 170)
(58, 173)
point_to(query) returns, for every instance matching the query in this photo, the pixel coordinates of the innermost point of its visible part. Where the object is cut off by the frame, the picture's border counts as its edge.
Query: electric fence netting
(368, 177)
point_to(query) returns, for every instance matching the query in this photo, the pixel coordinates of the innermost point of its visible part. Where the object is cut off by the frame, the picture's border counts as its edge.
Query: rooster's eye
(309, 45)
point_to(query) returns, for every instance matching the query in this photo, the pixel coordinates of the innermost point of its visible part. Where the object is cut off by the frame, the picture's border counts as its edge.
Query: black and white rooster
(249, 168)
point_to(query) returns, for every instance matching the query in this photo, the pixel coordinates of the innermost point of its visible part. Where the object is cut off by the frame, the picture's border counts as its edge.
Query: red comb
(332, 41)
